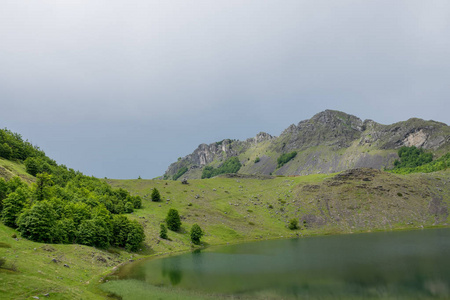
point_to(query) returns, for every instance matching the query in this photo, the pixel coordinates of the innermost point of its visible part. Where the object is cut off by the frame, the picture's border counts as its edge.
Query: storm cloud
(123, 88)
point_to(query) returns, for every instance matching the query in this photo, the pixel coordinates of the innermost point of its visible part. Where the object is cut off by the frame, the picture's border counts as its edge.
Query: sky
(121, 89)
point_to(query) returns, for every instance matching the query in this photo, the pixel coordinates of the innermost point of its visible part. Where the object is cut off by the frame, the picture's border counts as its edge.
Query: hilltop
(230, 208)
(331, 141)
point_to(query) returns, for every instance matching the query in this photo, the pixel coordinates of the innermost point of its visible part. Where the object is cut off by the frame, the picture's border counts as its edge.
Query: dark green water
(397, 265)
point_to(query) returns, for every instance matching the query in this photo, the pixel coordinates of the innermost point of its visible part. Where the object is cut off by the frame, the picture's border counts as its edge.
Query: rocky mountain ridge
(331, 141)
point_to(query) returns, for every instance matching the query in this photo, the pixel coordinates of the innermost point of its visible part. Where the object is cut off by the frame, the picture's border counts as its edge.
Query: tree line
(63, 205)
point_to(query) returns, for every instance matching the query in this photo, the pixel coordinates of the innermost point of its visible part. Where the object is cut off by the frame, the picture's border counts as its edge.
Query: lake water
(382, 265)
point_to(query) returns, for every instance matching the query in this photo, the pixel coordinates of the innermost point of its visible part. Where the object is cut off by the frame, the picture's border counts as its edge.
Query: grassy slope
(232, 210)
(237, 209)
(9, 169)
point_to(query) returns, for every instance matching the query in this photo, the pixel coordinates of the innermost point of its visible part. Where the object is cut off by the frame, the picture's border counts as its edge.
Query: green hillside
(60, 209)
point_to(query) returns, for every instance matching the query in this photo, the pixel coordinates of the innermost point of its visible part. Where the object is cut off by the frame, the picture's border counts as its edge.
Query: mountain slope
(331, 141)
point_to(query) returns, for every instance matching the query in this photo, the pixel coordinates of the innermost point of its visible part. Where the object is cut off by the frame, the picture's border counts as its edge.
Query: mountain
(331, 141)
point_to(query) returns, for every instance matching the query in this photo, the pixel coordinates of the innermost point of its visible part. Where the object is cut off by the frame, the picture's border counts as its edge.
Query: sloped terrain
(331, 141)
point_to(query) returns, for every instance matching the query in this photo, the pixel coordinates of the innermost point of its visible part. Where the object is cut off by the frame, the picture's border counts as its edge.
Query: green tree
(173, 220)
(135, 236)
(196, 234)
(64, 231)
(156, 197)
(231, 165)
(180, 173)
(285, 158)
(94, 232)
(163, 232)
(129, 207)
(33, 165)
(3, 192)
(13, 206)
(5, 151)
(37, 223)
(293, 224)
(43, 186)
(136, 200)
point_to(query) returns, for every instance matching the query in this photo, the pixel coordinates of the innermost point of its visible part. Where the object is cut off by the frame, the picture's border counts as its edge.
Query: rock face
(331, 141)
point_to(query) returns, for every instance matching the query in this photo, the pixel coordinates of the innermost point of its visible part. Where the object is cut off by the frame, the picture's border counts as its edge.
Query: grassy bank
(229, 210)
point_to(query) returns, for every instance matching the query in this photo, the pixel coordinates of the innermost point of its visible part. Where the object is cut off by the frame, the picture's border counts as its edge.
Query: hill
(230, 208)
(331, 141)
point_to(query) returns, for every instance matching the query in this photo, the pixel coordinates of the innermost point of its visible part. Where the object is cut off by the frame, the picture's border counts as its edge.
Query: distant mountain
(331, 141)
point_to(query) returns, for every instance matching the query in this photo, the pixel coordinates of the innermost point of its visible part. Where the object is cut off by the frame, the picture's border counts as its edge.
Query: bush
(285, 158)
(156, 196)
(163, 232)
(401, 167)
(94, 232)
(180, 173)
(257, 160)
(231, 165)
(13, 206)
(173, 220)
(293, 224)
(38, 222)
(196, 234)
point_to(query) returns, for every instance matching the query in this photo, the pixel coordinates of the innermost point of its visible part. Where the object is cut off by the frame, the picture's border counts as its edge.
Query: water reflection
(172, 268)
(401, 265)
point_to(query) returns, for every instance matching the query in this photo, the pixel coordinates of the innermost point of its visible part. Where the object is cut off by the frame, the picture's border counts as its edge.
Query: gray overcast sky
(124, 88)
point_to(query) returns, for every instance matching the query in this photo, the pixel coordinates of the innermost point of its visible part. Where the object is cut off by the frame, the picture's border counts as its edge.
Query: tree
(37, 223)
(135, 236)
(173, 220)
(196, 234)
(5, 151)
(293, 224)
(43, 186)
(156, 197)
(163, 232)
(94, 233)
(129, 207)
(33, 165)
(13, 206)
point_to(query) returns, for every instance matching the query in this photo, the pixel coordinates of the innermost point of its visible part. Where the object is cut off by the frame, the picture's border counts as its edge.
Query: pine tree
(156, 197)
(173, 220)
(196, 234)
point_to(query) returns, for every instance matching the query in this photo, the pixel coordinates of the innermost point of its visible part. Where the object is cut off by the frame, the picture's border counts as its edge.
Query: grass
(229, 210)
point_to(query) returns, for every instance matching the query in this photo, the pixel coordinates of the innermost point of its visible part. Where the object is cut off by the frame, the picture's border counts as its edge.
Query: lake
(381, 265)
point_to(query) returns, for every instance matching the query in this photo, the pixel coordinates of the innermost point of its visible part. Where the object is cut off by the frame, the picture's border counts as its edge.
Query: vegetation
(285, 158)
(173, 220)
(231, 165)
(414, 160)
(411, 157)
(180, 173)
(257, 160)
(64, 206)
(196, 234)
(293, 224)
(163, 232)
(156, 196)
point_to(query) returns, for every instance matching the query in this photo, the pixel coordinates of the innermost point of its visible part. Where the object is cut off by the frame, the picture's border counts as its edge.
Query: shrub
(173, 220)
(180, 173)
(13, 206)
(257, 160)
(196, 234)
(37, 223)
(156, 196)
(94, 233)
(285, 158)
(293, 224)
(231, 165)
(163, 232)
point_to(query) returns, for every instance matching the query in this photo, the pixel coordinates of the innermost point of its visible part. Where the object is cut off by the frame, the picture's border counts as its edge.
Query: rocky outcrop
(331, 141)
